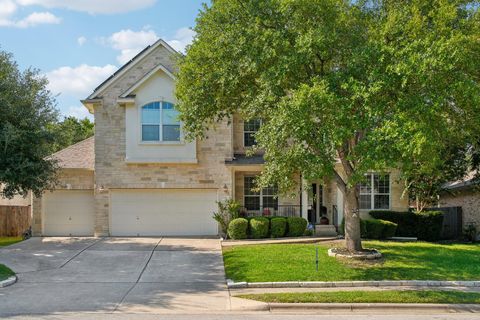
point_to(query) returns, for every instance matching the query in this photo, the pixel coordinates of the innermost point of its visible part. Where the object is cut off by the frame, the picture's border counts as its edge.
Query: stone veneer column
(102, 209)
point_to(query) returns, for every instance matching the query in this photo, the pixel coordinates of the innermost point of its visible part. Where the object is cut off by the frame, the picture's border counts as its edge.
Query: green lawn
(403, 261)
(369, 297)
(5, 272)
(6, 241)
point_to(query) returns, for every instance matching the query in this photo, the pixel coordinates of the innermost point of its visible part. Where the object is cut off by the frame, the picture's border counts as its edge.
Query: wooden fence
(452, 222)
(14, 220)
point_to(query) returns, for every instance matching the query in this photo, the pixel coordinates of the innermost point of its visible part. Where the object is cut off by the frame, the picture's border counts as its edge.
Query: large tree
(26, 111)
(373, 84)
(70, 131)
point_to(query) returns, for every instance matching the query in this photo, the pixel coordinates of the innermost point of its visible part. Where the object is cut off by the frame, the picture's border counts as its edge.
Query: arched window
(160, 122)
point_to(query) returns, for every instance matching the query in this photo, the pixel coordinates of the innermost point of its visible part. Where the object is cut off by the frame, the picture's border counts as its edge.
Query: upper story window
(160, 122)
(250, 127)
(375, 192)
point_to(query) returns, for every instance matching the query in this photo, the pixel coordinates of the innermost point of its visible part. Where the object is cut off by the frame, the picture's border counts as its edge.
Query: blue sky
(79, 43)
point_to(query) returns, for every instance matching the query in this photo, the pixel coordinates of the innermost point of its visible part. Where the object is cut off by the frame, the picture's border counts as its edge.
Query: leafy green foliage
(389, 229)
(429, 225)
(406, 221)
(296, 226)
(228, 210)
(237, 228)
(374, 228)
(27, 109)
(278, 227)
(259, 227)
(70, 131)
(376, 84)
(426, 225)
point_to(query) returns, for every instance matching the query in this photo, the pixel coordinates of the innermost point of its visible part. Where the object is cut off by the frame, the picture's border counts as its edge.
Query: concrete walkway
(114, 275)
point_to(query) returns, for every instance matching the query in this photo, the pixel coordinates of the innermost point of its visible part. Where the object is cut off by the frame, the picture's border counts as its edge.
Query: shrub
(389, 229)
(296, 226)
(407, 222)
(237, 228)
(259, 227)
(278, 227)
(363, 228)
(227, 211)
(374, 228)
(429, 226)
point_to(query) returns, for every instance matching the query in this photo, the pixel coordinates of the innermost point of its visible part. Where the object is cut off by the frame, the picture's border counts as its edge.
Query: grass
(402, 261)
(410, 296)
(5, 272)
(6, 241)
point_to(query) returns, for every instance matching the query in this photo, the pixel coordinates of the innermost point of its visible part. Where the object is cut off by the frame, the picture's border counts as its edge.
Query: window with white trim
(160, 122)
(250, 128)
(255, 200)
(375, 192)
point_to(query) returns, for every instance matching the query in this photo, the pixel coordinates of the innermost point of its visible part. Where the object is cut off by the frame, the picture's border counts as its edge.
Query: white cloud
(92, 6)
(37, 18)
(79, 81)
(8, 9)
(81, 40)
(182, 38)
(130, 42)
(79, 112)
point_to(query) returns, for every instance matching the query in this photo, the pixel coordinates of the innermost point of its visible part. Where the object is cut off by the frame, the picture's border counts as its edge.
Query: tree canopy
(374, 85)
(27, 109)
(70, 131)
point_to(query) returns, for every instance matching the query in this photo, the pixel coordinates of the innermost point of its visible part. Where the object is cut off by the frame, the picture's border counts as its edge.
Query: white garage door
(166, 212)
(68, 213)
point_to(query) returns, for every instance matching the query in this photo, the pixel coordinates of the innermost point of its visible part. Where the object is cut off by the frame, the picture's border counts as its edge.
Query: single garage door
(165, 212)
(68, 213)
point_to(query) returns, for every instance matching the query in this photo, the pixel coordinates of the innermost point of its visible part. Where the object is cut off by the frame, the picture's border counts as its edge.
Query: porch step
(322, 230)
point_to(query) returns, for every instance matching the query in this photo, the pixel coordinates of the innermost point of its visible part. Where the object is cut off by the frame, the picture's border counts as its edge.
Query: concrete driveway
(131, 275)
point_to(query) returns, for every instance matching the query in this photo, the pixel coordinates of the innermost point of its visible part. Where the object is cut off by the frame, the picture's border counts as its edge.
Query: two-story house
(138, 176)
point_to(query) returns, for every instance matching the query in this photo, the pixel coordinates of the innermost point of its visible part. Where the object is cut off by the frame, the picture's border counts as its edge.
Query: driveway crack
(78, 253)
(138, 279)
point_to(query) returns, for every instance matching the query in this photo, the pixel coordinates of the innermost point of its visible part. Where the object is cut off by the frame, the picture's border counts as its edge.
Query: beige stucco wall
(68, 179)
(469, 200)
(113, 172)
(159, 87)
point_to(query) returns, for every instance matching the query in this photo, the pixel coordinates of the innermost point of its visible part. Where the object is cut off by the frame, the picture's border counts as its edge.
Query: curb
(8, 282)
(381, 307)
(351, 284)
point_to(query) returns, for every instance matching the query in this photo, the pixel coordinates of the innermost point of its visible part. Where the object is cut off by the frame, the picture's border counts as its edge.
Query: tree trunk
(352, 220)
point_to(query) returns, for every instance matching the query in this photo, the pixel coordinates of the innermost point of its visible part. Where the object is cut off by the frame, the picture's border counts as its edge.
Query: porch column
(304, 195)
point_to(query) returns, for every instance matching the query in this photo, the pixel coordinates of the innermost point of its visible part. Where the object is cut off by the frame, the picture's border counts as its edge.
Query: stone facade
(469, 200)
(112, 172)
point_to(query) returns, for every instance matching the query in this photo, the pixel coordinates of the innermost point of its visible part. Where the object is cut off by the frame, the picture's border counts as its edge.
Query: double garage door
(165, 212)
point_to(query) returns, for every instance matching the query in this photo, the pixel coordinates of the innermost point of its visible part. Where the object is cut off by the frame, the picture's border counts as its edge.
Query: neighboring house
(464, 193)
(139, 177)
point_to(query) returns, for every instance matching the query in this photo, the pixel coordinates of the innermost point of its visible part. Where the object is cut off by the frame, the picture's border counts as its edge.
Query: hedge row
(423, 225)
(263, 227)
(374, 228)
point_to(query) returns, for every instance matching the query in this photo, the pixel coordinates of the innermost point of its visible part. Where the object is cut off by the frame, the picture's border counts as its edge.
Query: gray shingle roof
(241, 159)
(470, 180)
(78, 156)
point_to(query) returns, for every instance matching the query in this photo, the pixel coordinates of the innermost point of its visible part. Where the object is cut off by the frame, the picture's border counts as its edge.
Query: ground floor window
(375, 192)
(255, 200)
